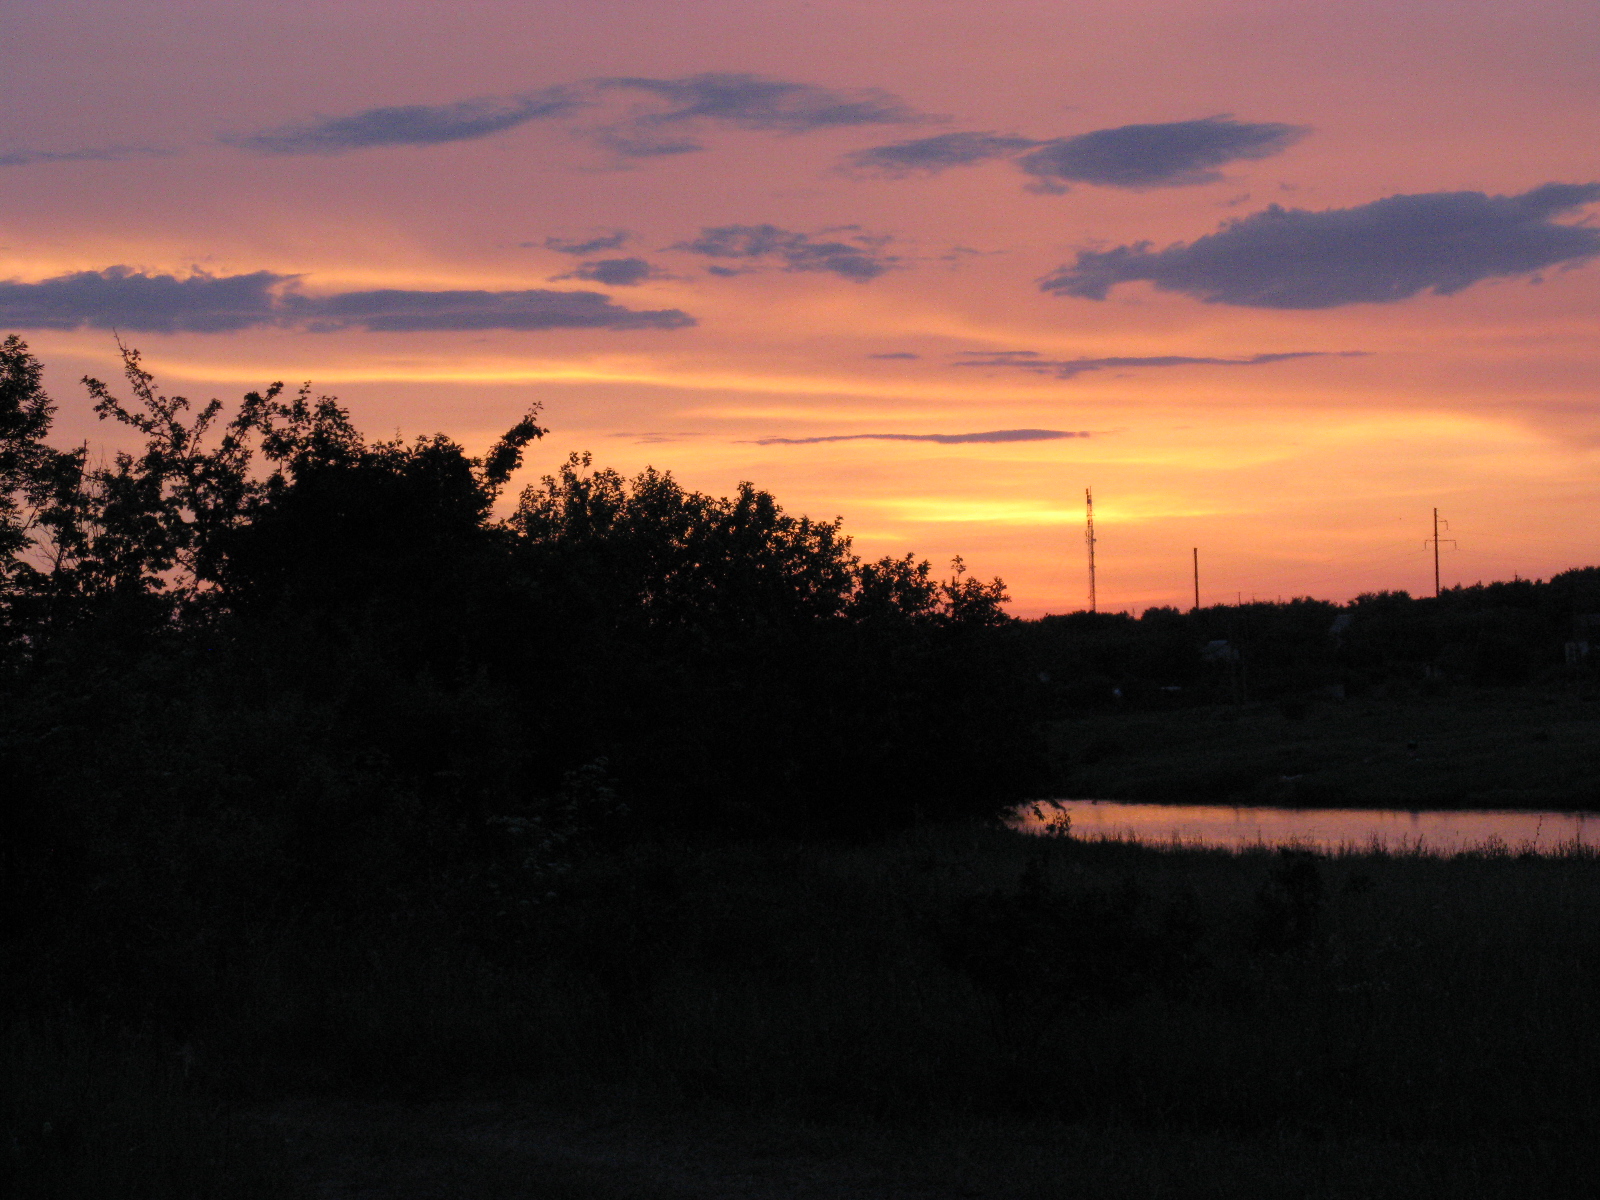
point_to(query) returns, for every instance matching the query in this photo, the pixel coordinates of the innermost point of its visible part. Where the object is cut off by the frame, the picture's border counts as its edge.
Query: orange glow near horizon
(1301, 446)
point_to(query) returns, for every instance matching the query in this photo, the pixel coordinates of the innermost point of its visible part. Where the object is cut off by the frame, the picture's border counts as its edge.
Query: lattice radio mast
(1088, 538)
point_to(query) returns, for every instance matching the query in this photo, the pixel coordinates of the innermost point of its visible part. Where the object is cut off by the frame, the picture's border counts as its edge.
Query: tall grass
(952, 977)
(1374, 994)
(1377, 993)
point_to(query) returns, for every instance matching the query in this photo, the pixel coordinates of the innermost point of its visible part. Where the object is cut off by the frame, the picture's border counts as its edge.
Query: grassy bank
(1298, 1014)
(1460, 748)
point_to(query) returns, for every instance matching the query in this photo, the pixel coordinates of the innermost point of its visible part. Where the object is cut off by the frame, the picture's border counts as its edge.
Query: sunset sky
(1274, 278)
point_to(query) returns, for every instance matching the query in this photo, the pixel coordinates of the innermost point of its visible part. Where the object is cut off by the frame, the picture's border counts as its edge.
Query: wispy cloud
(125, 299)
(1387, 250)
(653, 437)
(755, 102)
(843, 250)
(896, 354)
(1170, 154)
(1068, 368)
(413, 124)
(28, 158)
(614, 272)
(943, 439)
(664, 117)
(610, 240)
(938, 153)
(740, 101)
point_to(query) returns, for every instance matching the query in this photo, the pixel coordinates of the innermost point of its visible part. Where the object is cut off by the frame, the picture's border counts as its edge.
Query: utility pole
(1197, 579)
(1435, 553)
(1088, 537)
(1434, 542)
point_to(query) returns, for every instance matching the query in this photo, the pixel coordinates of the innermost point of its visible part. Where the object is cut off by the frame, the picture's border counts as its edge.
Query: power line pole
(1197, 578)
(1088, 537)
(1435, 553)
(1434, 542)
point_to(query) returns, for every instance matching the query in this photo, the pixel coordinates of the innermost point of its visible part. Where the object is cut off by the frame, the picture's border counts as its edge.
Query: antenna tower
(1088, 537)
(1434, 542)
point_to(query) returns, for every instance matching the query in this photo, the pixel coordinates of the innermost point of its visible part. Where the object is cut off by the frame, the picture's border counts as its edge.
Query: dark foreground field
(1525, 747)
(959, 1012)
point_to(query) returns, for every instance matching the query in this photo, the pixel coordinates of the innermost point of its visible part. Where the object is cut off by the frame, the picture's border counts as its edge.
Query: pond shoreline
(1325, 830)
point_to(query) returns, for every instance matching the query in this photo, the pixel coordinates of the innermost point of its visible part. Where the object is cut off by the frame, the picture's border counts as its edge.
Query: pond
(1324, 829)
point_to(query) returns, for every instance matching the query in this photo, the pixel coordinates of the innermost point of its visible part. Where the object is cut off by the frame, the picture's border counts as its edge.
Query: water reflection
(1327, 829)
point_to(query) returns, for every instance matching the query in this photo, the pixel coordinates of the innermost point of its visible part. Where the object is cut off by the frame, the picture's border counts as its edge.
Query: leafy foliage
(255, 659)
(750, 666)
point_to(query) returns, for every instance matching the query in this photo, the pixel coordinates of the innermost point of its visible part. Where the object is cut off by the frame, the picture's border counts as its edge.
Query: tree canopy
(731, 663)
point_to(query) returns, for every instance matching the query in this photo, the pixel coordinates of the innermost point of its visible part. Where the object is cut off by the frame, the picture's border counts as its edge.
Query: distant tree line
(1522, 632)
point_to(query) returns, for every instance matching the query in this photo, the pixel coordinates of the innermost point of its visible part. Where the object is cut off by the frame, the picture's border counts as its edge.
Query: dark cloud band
(1068, 368)
(124, 299)
(1384, 251)
(943, 439)
(394, 311)
(1173, 154)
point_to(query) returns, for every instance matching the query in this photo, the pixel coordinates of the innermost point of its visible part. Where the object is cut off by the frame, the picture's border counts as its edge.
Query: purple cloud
(121, 298)
(1374, 253)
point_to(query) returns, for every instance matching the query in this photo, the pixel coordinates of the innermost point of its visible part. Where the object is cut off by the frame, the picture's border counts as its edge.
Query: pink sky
(1450, 336)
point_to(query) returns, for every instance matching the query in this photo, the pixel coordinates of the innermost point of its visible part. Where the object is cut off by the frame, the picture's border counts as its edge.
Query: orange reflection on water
(1323, 829)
